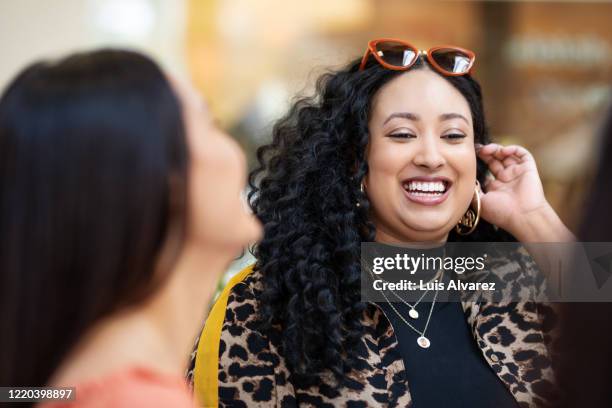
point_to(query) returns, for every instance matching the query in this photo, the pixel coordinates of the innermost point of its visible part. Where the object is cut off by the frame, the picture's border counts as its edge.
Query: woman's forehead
(422, 93)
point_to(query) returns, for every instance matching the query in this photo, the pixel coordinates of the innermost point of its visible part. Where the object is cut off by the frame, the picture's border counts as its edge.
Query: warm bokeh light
(545, 66)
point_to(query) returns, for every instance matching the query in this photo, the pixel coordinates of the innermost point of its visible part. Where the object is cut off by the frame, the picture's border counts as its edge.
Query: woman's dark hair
(93, 168)
(305, 191)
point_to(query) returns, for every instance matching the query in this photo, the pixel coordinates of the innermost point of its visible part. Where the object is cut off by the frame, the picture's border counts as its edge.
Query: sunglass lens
(396, 54)
(452, 60)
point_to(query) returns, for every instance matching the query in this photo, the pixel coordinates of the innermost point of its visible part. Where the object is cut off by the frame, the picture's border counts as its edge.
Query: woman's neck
(157, 334)
(181, 307)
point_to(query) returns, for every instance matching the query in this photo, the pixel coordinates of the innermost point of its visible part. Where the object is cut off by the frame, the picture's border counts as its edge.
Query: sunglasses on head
(399, 55)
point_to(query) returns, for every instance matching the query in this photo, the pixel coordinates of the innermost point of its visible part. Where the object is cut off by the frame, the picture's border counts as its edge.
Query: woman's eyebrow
(405, 115)
(415, 117)
(448, 116)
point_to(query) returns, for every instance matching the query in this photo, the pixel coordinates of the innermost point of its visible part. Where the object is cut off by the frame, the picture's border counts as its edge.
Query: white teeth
(436, 186)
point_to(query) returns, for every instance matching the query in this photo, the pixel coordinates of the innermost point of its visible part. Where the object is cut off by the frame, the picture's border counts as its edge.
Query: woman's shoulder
(130, 387)
(245, 285)
(242, 300)
(230, 340)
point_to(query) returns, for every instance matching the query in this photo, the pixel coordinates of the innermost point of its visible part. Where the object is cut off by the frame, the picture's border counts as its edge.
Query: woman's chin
(424, 231)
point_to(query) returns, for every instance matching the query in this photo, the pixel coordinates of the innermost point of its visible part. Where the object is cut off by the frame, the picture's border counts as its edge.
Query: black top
(452, 372)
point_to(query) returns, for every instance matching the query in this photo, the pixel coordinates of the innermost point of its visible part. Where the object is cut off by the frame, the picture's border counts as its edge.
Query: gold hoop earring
(468, 222)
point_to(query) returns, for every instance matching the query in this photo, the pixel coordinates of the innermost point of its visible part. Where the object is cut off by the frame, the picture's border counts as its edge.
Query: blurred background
(545, 66)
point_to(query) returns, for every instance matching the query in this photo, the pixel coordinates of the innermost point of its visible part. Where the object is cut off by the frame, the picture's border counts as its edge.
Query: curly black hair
(305, 190)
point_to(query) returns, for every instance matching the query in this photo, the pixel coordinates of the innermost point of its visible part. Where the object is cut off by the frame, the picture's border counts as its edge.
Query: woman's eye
(402, 135)
(453, 136)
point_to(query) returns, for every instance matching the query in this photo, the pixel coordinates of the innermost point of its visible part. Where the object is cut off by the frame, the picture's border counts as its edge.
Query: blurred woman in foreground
(119, 203)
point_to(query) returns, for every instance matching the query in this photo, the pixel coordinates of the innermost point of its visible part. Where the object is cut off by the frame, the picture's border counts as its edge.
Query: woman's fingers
(521, 152)
(505, 162)
(488, 149)
(509, 161)
(495, 166)
(506, 155)
(501, 152)
(489, 154)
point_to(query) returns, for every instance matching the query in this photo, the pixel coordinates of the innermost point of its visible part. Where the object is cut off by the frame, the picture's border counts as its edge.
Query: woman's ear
(354, 170)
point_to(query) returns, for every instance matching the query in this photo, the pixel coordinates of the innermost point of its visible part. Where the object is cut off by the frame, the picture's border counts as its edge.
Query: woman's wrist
(541, 225)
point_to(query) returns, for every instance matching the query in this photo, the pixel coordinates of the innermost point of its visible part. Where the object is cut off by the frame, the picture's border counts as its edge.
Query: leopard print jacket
(514, 338)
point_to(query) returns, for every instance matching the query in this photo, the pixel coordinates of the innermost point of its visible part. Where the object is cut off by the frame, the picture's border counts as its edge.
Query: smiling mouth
(427, 192)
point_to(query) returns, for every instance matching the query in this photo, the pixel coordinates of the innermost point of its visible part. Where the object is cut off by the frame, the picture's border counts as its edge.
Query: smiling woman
(422, 166)
(388, 150)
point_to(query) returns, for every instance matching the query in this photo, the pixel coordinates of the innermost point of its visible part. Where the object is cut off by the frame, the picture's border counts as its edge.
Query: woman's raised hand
(515, 198)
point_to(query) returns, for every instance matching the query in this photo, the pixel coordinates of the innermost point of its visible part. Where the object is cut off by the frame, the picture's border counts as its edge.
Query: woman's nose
(429, 154)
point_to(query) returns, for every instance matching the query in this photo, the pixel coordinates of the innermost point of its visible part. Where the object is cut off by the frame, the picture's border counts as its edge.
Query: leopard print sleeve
(247, 363)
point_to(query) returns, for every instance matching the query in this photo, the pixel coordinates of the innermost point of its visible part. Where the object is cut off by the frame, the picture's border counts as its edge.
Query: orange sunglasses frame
(372, 50)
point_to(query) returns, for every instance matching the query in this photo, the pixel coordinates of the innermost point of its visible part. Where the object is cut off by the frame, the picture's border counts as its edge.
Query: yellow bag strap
(206, 371)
